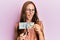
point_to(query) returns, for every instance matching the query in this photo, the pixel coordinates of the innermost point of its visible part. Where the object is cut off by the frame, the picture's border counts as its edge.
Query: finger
(33, 26)
(22, 37)
(21, 34)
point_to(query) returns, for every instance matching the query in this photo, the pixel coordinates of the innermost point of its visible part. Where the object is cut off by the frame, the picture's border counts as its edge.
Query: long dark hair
(23, 15)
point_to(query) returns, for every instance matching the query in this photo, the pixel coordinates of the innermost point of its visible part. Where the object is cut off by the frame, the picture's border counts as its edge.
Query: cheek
(32, 13)
(27, 13)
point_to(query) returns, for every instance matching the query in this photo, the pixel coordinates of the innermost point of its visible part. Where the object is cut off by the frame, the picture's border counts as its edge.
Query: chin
(30, 18)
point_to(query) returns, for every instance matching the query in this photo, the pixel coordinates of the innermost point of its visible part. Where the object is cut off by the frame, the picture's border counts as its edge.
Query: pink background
(48, 12)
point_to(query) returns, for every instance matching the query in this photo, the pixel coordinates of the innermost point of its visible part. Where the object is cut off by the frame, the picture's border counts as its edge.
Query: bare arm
(39, 29)
(41, 33)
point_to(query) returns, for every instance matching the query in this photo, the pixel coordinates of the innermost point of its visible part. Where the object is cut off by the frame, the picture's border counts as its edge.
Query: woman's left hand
(37, 28)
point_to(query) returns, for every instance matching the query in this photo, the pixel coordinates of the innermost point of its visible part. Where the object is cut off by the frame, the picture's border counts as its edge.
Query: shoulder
(16, 25)
(39, 23)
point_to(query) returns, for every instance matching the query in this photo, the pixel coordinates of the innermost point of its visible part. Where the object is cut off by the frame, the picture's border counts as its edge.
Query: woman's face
(30, 11)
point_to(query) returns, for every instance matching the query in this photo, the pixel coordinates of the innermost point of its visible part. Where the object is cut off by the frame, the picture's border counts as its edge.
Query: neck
(28, 20)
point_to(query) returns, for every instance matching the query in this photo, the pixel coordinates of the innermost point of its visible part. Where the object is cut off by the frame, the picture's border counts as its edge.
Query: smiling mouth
(30, 15)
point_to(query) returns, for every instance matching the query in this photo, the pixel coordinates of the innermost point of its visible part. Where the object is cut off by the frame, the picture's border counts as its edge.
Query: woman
(29, 14)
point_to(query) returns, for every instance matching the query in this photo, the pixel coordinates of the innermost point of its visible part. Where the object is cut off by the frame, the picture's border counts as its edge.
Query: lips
(30, 16)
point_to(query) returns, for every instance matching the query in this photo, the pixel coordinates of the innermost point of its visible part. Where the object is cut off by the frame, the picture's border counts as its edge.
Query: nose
(31, 11)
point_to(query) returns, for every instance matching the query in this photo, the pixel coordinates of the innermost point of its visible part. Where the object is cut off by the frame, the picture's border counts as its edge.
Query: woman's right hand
(24, 36)
(21, 37)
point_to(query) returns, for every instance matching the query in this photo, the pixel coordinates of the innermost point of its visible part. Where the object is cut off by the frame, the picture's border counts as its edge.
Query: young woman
(29, 14)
